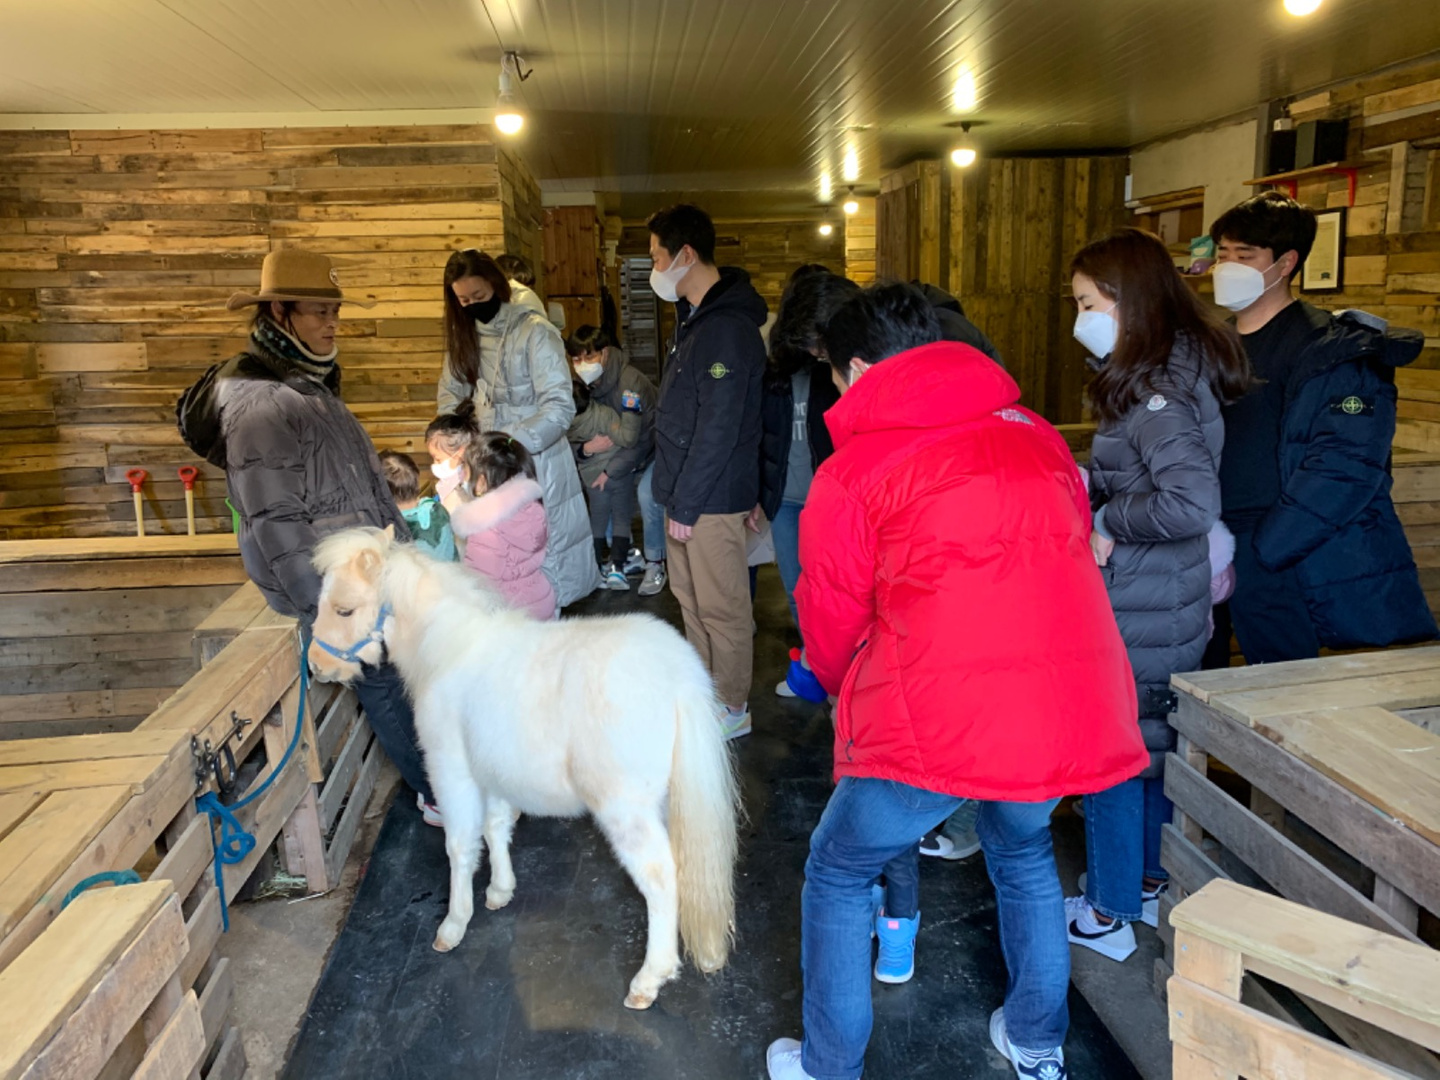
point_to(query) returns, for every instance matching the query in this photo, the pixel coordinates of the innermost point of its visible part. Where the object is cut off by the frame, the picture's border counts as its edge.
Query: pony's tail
(704, 805)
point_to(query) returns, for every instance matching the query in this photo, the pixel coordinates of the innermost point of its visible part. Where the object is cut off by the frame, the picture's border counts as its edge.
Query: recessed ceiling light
(827, 189)
(850, 167)
(1302, 7)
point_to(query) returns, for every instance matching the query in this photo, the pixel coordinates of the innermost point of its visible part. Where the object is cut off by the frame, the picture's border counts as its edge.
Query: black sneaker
(937, 845)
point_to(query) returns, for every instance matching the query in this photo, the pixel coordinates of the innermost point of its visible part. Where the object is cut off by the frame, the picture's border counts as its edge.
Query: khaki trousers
(710, 578)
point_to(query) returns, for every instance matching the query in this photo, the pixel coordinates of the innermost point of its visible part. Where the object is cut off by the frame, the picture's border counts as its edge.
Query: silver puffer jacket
(524, 391)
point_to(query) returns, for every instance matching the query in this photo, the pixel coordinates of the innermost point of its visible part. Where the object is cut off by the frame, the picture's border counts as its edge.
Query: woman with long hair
(1166, 366)
(511, 362)
(798, 391)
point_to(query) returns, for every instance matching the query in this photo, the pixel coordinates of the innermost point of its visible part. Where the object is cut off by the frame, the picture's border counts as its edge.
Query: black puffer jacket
(707, 425)
(1335, 522)
(1155, 486)
(298, 464)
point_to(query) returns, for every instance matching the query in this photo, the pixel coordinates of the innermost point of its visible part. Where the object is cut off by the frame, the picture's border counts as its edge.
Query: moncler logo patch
(1156, 403)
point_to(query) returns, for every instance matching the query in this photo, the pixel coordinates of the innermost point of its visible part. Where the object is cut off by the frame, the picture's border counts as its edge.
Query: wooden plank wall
(1014, 224)
(1392, 243)
(572, 263)
(860, 243)
(116, 247)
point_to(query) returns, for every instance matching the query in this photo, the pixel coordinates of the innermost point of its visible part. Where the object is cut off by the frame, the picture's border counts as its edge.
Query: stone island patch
(718, 371)
(1353, 405)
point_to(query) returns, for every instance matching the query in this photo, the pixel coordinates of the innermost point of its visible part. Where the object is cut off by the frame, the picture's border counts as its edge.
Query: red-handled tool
(137, 481)
(188, 473)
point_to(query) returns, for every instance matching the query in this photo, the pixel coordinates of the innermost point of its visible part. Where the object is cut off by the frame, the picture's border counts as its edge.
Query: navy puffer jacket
(1335, 522)
(1156, 474)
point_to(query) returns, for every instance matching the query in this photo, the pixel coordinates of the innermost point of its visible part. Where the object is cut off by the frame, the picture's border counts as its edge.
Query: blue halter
(352, 654)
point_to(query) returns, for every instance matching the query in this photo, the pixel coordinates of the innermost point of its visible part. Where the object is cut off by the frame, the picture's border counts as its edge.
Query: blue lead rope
(111, 877)
(235, 842)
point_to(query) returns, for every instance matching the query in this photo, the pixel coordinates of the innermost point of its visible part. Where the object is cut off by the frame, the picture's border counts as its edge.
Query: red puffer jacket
(949, 594)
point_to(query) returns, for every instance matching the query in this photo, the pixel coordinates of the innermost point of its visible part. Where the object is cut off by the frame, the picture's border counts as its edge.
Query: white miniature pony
(605, 715)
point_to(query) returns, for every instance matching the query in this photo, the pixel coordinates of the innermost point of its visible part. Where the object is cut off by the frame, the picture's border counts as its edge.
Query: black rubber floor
(534, 991)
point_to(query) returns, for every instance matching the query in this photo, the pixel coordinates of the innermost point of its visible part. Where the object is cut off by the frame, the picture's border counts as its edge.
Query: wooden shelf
(1291, 180)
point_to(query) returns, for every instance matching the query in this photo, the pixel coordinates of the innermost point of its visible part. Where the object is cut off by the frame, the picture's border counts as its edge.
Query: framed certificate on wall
(1324, 270)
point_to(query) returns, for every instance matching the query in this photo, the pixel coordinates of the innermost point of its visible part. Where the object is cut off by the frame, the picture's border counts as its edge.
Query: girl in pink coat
(500, 528)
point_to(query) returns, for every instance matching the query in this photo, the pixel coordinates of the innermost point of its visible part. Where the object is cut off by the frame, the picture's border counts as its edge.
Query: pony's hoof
(448, 936)
(638, 1001)
(495, 899)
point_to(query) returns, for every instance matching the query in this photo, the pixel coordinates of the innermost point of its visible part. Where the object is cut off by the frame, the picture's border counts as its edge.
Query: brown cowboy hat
(290, 274)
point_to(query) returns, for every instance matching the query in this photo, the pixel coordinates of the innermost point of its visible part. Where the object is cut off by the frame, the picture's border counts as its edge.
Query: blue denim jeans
(652, 516)
(1122, 845)
(873, 826)
(785, 531)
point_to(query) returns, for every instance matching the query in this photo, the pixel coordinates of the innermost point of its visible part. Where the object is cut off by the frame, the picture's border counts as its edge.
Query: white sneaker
(782, 689)
(1028, 1065)
(1149, 901)
(782, 1061)
(1115, 940)
(655, 579)
(430, 812)
(614, 579)
(734, 725)
(634, 563)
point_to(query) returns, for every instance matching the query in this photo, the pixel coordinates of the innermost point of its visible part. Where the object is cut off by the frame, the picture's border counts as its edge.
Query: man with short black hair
(707, 446)
(1321, 558)
(949, 599)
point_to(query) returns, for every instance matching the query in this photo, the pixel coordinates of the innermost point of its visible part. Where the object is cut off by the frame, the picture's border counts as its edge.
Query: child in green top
(429, 523)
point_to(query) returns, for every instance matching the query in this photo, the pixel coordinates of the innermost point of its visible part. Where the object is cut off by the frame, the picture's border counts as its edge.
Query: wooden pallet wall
(116, 248)
(1392, 243)
(1014, 224)
(860, 243)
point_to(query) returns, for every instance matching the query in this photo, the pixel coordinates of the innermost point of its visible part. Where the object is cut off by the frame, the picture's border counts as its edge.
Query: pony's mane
(406, 566)
(337, 549)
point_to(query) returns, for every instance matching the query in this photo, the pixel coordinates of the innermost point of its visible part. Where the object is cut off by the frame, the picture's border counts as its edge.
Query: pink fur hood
(494, 507)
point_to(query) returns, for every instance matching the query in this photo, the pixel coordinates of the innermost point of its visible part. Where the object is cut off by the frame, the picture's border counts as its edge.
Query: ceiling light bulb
(963, 156)
(508, 119)
(1302, 7)
(826, 229)
(851, 206)
(850, 167)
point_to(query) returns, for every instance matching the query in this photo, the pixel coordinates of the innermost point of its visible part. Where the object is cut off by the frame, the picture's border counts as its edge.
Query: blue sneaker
(896, 962)
(1028, 1064)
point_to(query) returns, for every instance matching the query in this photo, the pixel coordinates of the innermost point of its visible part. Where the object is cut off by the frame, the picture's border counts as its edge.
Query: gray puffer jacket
(1155, 487)
(298, 464)
(524, 391)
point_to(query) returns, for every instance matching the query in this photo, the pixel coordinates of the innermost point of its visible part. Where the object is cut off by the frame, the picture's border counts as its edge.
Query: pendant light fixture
(851, 205)
(826, 228)
(509, 119)
(964, 155)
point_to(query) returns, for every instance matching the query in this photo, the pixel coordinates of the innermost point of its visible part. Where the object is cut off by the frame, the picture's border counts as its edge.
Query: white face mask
(1237, 286)
(1097, 331)
(666, 283)
(589, 371)
(443, 470)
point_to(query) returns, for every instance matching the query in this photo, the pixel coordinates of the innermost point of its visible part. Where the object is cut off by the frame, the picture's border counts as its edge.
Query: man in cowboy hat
(298, 463)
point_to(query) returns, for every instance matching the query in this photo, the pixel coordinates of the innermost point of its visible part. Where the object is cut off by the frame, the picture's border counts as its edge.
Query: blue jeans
(652, 516)
(1122, 845)
(785, 531)
(873, 826)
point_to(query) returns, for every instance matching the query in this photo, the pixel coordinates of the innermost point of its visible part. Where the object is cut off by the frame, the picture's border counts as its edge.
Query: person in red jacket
(950, 599)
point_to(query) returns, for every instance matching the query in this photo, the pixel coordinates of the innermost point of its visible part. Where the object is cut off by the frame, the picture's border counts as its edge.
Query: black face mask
(484, 311)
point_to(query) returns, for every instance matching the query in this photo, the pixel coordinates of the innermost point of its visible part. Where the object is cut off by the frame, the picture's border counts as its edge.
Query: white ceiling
(650, 97)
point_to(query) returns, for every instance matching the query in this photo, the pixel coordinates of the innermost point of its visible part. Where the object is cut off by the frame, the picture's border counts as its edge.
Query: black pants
(382, 695)
(1272, 620)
